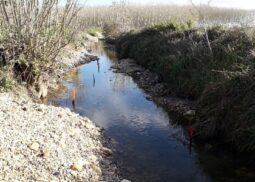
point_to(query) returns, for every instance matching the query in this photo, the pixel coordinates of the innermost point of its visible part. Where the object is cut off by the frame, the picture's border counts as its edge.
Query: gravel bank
(73, 58)
(47, 143)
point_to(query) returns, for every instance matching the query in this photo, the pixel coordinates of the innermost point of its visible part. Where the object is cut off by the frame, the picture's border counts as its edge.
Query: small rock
(35, 146)
(76, 167)
(24, 109)
(73, 131)
(190, 113)
(40, 179)
(106, 162)
(45, 153)
(107, 152)
(125, 180)
(148, 97)
(62, 143)
(96, 169)
(39, 109)
(56, 173)
(89, 126)
(93, 158)
(60, 115)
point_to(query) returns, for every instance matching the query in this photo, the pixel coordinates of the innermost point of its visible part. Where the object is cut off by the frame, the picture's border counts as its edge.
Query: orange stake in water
(191, 132)
(74, 94)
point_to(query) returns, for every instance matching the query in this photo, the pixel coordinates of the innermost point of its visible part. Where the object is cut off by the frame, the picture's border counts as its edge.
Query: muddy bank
(155, 89)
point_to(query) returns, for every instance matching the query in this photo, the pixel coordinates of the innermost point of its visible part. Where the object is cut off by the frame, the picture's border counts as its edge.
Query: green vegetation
(94, 31)
(217, 72)
(7, 81)
(173, 25)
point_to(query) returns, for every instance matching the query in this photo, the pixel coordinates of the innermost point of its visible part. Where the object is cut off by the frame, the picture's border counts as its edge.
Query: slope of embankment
(213, 68)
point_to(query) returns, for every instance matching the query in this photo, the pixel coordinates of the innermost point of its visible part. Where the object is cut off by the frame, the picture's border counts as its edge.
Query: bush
(227, 110)
(35, 38)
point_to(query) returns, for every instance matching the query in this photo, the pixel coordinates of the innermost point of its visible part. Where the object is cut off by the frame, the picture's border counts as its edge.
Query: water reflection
(149, 146)
(94, 80)
(98, 66)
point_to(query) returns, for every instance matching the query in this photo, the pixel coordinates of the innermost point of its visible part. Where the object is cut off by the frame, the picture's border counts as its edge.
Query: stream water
(149, 146)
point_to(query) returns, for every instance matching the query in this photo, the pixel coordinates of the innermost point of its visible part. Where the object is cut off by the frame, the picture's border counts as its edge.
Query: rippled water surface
(149, 147)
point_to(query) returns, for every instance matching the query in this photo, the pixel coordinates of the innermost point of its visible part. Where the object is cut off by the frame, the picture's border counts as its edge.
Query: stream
(148, 144)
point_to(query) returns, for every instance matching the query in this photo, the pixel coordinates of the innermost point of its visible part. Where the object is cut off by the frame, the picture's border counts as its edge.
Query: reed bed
(139, 17)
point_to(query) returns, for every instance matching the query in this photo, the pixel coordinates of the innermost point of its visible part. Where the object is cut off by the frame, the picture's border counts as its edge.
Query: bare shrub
(34, 33)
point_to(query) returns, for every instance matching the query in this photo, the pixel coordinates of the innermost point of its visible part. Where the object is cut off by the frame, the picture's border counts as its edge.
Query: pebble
(76, 167)
(107, 152)
(125, 180)
(97, 169)
(35, 146)
(45, 153)
(190, 112)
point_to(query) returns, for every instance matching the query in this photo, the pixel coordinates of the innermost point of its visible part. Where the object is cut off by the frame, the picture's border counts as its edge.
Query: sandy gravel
(47, 143)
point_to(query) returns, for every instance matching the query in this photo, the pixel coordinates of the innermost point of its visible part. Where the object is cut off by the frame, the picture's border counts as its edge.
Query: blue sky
(244, 4)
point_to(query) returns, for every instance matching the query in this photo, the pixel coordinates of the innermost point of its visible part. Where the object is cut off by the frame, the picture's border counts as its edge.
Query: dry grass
(148, 15)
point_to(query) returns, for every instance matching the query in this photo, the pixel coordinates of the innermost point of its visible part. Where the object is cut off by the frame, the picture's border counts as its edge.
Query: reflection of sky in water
(149, 147)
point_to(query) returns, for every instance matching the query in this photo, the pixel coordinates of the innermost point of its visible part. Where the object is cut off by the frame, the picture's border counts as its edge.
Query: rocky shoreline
(155, 89)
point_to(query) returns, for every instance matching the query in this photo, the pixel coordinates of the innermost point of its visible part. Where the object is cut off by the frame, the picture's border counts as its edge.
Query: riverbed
(148, 143)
